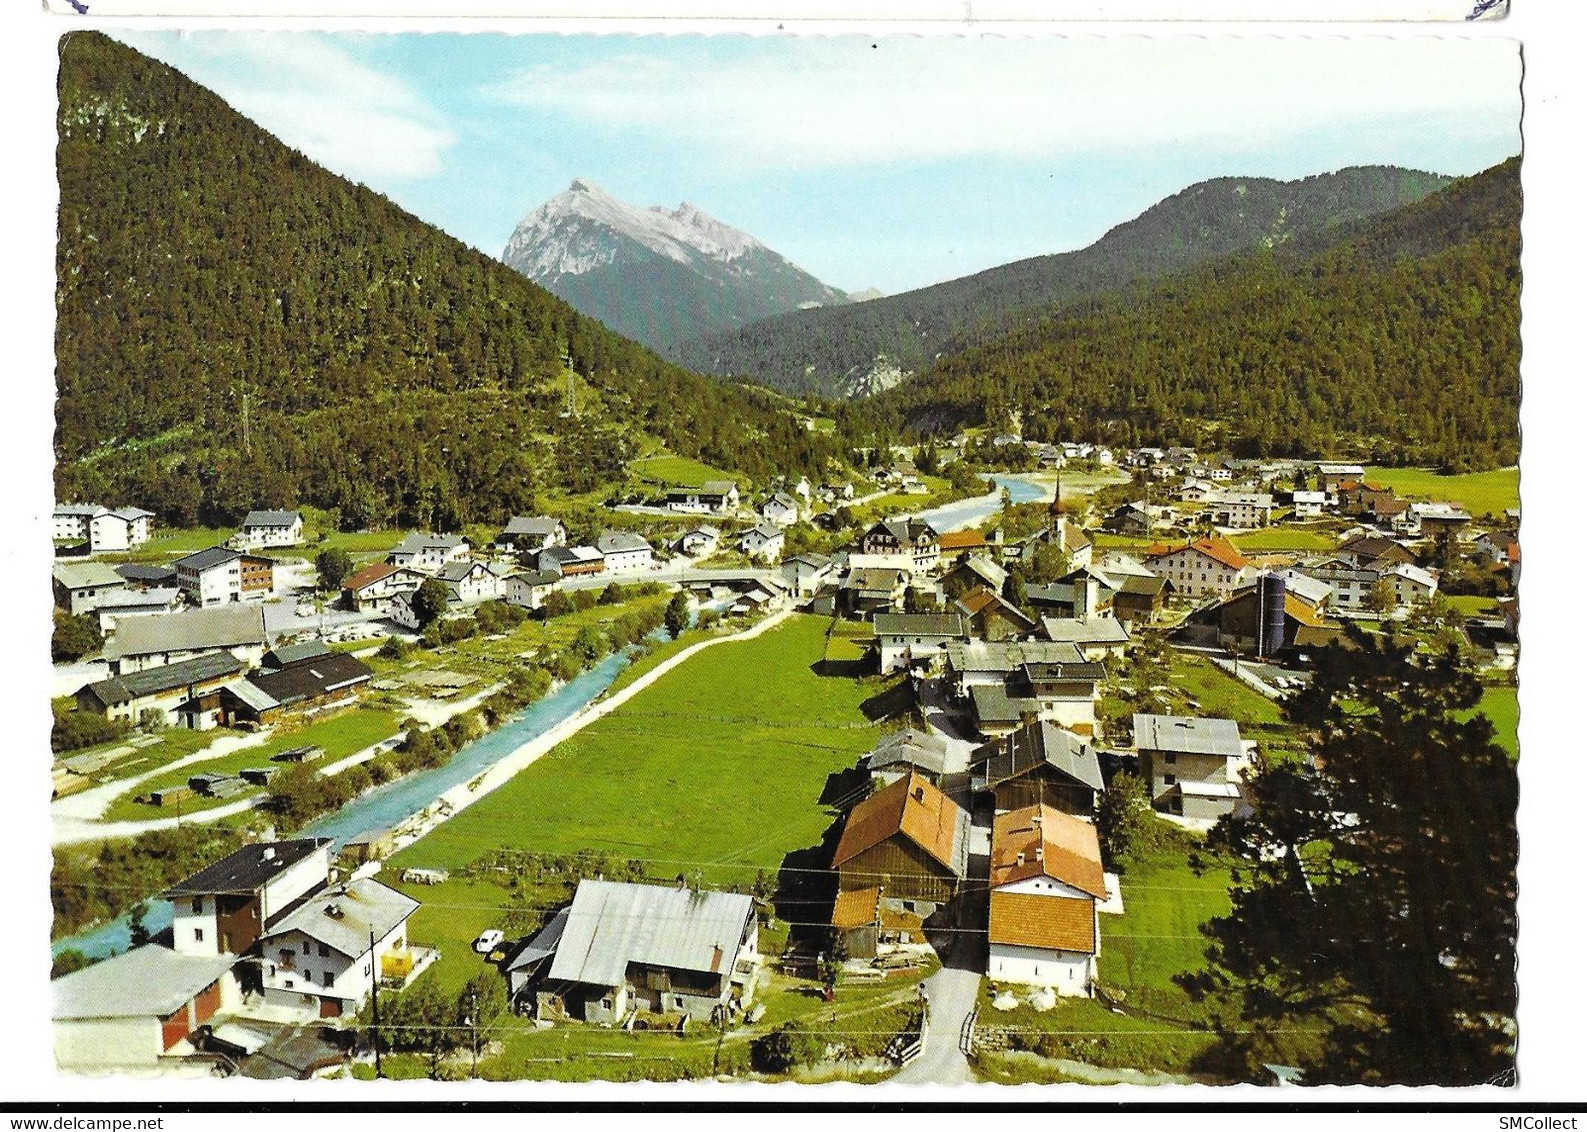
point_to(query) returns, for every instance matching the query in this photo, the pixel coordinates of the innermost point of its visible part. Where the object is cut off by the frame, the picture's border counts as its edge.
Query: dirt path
(91, 804)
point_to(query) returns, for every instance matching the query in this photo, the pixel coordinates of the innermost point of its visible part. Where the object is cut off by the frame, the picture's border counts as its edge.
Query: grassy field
(1220, 694)
(175, 743)
(678, 471)
(1501, 705)
(1284, 538)
(715, 768)
(340, 736)
(1481, 493)
(1471, 605)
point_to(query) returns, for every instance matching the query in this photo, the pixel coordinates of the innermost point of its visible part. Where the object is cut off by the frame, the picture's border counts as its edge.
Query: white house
(373, 587)
(1212, 565)
(114, 608)
(700, 541)
(780, 509)
(626, 552)
(1411, 584)
(271, 528)
(104, 530)
(806, 573)
(471, 581)
(762, 541)
(1192, 766)
(81, 587)
(1309, 504)
(125, 529)
(711, 497)
(221, 576)
(427, 553)
(132, 1010)
(224, 908)
(529, 588)
(904, 639)
(531, 532)
(1047, 881)
(1245, 510)
(319, 955)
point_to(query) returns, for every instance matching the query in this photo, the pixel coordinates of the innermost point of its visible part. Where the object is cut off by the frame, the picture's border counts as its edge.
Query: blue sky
(892, 163)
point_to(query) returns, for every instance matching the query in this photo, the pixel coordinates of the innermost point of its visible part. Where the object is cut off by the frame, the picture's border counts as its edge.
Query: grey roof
(146, 572)
(567, 555)
(1187, 735)
(134, 599)
(909, 747)
(919, 625)
(271, 519)
(882, 579)
(131, 514)
(194, 630)
(83, 575)
(208, 559)
(533, 526)
(284, 656)
(537, 577)
(148, 982)
(985, 569)
(458, 569)
(1306, 587)
(1096, 631)
(993, 704)
(166, 678)
(782, 498)
(1036, 744)
(252, 695)
(611, 925)
(703, 529)
(543, 945)
(811, 559)
(1041, 671)
(247, 869)
(415, 542)
(79, 510)
(1006, 656)
(345, 916)
(764, 530)
(717, 487)
(616, 542)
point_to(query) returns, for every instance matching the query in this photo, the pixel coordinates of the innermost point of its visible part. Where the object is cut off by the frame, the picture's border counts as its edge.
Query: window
(328, 979)
(198, 935)
(1168, 758)
(1170, 779)
(198, 904)
(325, 952)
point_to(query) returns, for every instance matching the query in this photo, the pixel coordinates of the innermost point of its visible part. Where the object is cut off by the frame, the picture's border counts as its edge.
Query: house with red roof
(1046, 884)
(1211, 565)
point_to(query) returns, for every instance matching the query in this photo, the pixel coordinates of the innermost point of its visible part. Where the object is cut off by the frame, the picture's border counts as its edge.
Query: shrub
(786, 1048)
(74, 730)
(74, 637)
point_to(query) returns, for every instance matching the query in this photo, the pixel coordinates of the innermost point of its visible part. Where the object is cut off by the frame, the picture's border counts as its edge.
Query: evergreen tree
(1375, 886)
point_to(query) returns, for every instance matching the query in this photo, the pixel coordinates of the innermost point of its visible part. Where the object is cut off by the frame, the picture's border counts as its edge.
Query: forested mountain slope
(239, 327)
(832, 350)
(1402, 340)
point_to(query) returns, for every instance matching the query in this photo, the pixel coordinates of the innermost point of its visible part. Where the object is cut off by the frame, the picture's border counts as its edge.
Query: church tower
(1056, 519)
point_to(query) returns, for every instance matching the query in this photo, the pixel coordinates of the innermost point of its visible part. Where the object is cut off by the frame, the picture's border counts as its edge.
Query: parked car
(488, 941)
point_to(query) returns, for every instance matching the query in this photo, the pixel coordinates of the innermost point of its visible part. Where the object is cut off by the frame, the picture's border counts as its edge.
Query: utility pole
(374, 1002)
(473, 1033)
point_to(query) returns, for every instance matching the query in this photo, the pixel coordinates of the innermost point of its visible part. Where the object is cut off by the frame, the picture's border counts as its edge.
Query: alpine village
(1099, 671)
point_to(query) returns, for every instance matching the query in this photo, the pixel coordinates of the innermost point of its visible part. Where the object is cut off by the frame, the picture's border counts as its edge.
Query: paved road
(951, 994)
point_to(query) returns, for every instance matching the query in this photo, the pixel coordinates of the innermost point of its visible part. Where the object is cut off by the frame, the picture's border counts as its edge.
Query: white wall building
(626, 552)
(270, 528)
(319, 955)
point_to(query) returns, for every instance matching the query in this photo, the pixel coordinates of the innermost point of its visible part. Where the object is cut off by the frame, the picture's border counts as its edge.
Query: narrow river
(389, 804)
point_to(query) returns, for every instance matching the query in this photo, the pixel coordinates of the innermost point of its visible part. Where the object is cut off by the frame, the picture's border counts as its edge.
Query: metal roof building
(611, 925)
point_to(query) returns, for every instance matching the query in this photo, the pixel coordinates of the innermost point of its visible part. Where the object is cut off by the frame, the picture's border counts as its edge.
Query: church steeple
(1055, 511)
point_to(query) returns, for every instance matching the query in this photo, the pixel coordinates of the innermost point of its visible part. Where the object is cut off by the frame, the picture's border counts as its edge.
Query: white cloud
(843, 102)
(316, 96)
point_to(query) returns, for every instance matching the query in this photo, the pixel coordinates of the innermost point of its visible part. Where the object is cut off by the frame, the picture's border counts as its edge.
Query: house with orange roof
(1046, 884)
(955, 543)
(375, 585)
(1211, 565)
(908, 839)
